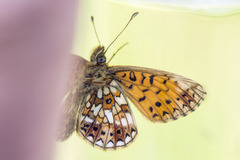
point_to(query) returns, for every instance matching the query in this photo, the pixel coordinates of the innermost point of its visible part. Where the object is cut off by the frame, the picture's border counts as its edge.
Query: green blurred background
(202, 44)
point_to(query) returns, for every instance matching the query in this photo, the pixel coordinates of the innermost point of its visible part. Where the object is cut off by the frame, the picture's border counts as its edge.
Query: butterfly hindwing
(68, 115)
(106, 119)
(161, 96)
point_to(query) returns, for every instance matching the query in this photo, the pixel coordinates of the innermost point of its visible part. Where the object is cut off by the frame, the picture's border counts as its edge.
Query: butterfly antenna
(117, 51)
(92, 19)
(133, 16)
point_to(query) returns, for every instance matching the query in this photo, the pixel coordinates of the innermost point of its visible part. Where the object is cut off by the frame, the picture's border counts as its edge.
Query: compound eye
(101, 59)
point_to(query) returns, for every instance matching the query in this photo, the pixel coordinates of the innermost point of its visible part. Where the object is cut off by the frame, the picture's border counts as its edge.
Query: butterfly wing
(160, 96)
(73, 97)
(105, 119)
(75, 72)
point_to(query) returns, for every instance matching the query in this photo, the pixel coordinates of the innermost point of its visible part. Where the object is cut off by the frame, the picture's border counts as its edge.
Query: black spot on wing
(133, 130)
(86, 125)
(91, 135)
(132, 76)
(158, 91)
(84, 129)
(109, 101)
(119, 131)
(95, 128)
(143, 78)
(168, 101)
(142, 99)
(164, 112)
(165, 81)
(175, 109)
(158, 104)
(119, 140)
(130, 87)
(151, 79)
(145, 90)
(151, 109)
(154, 115)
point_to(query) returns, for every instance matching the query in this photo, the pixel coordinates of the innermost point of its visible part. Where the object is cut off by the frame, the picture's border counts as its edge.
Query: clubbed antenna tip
(133, 16)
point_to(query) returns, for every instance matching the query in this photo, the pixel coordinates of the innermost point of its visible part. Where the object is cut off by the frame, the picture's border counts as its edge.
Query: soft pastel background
(202, 43)
(35, 38)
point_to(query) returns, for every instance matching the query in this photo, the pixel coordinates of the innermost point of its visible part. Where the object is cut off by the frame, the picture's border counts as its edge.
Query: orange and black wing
(160, 96)
(105, 119)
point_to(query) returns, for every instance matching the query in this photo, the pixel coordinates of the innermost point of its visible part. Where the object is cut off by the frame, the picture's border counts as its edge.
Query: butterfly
(96, 104)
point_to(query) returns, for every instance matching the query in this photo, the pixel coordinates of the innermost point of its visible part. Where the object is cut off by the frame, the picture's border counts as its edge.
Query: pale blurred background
(199, 41)
(35, 38)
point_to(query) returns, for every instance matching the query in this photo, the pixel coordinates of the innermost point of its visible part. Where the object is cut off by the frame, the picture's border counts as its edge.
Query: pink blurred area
(35, 38)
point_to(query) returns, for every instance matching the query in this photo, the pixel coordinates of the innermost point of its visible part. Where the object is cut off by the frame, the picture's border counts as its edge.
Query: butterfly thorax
(96, 72)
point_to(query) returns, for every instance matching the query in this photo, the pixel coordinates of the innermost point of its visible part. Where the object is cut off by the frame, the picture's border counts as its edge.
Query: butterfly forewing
(160, 96)
(106, 119)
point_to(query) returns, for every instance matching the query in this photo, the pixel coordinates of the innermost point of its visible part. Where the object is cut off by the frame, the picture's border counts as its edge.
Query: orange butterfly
(96, 105)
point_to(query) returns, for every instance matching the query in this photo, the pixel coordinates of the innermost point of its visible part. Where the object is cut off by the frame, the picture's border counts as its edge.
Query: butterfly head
(98, 56)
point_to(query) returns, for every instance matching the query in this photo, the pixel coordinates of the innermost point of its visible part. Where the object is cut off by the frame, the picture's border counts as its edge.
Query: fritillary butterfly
(96, 105)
